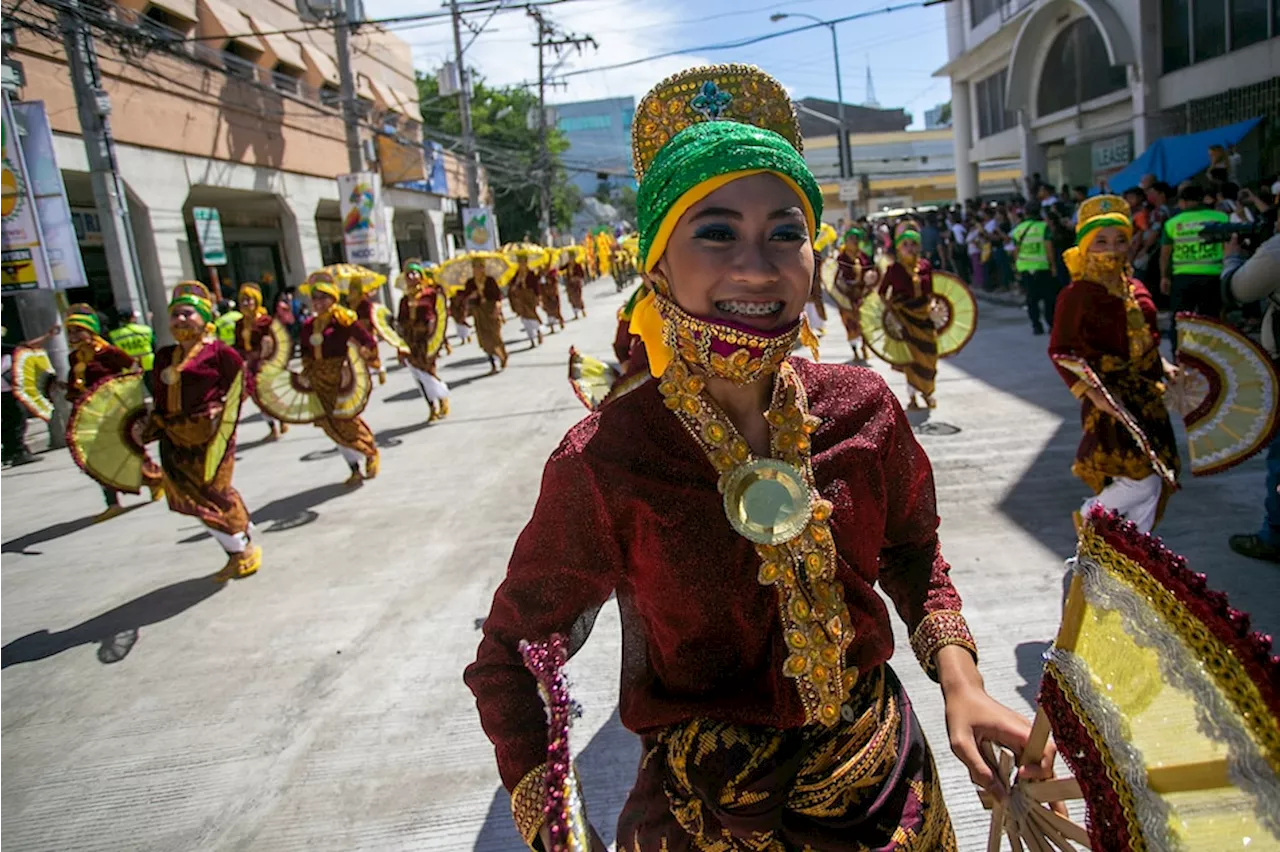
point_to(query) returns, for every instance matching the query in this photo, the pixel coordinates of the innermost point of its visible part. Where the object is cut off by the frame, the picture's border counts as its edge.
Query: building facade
(599, 134)
(213, 106)
(1075, 89)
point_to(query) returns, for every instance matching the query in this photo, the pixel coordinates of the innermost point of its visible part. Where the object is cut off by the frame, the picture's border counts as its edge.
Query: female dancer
(484, 300)
(422, 320)
(550, 297)
(324, 354)
(764, 496)
(253, 325)
(192, 380)
(856, 273)
(1107, 318)
(524, 291)
(907, 289)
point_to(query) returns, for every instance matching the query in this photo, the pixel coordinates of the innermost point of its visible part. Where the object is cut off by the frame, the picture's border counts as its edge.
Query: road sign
(850, 189)
(213, 249)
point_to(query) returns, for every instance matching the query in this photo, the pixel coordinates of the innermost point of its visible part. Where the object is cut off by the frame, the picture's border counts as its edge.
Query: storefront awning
(218, 18)
(185, 9)
(1173, 159)
(321, 63)
(382, 95)
(408, 104)
(286, 51)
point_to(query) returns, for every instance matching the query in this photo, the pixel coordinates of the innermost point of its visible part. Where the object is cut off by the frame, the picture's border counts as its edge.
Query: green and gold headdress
(84, 316)
(1102, 211)
(196, 295)
(704, 127)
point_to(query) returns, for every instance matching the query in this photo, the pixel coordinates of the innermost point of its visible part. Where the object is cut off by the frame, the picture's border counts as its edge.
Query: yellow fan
(217, 448)
(538, 256)
(456, 272)
(287, 395)
(826, 237)
(31, 373)
(344, 273)
(105, 432)
(276, 346)
(354, 387)
(827, 274)
(442, 322)
(955, 313)
(882, 331)
(383, 324)
(590, 378)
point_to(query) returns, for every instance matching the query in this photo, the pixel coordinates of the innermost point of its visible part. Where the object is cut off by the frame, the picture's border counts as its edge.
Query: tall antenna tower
(871, 87)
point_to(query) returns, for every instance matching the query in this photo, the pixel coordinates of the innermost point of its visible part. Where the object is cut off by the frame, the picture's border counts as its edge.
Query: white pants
(350, 456)
(230, 543)
(462, 330)
(816, 323)
(1135, 499)
(435, 388)
(531, 328)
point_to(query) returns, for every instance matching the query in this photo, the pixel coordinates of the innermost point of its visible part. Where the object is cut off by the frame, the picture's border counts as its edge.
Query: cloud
(504, 53)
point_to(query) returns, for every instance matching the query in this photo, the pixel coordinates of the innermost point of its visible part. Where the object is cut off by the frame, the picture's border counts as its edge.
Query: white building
(1075, 89)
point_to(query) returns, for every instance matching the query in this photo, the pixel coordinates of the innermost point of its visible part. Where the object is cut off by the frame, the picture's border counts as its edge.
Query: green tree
(500, 119)
(944, 114)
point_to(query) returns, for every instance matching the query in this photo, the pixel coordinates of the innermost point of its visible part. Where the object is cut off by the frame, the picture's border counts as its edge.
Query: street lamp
(835, 52)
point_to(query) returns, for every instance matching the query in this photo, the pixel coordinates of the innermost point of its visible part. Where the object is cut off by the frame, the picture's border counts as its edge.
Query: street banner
(363, 219)
(213, 248)
(480, 229)
(22, 260)
(58, 234)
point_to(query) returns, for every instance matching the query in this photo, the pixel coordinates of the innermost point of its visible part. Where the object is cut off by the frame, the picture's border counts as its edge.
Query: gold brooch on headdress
(1099, 205)
(192, 288)
(741, 93)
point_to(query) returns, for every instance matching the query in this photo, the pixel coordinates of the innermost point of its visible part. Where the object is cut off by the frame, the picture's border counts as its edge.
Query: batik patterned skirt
(866, 785)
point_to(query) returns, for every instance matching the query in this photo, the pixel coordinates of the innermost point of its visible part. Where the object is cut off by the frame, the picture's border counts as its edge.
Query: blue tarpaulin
(1176, 158)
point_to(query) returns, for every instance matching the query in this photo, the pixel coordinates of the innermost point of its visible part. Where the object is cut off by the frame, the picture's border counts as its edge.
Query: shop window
(1077, 69)
(1209, 25)
(1248, 22)
(1175, 33)
(990, 96)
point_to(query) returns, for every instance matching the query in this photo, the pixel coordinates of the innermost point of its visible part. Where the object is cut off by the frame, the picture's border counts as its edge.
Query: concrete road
(320, 706)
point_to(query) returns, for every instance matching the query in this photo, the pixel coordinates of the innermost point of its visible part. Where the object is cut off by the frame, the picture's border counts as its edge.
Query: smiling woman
(742, 506)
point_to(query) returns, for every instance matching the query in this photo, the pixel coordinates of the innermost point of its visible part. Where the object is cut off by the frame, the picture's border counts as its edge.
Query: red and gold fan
(1228, 394)
(105, 435)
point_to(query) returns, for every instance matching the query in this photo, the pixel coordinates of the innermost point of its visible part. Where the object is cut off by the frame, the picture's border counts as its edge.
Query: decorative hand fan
(827, 274)
(276, 346)
(456, 272)
(566, 814)
(590, 378)
(288, 396)
(344, 273)
(955, 313)
(826, 237)
(1162, 702)
(382, 323)
(538, 256)
(1081, 368)
(1227, 396)
(105, 432)
(442, 321)
(32, 371)
(882, 331)
(217, 448)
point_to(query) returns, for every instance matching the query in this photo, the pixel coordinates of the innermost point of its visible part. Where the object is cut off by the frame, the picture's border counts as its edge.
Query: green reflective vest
(225, 325)
(1191, 255)
(1029, 238)
(135, 339)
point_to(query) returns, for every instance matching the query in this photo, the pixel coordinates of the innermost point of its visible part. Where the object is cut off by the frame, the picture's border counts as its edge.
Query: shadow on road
(288, 512)
(606, 768)
(1029, 657)
(116, 630)
(49, 533)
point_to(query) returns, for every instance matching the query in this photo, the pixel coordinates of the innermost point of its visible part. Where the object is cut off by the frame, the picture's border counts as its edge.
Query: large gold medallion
(767, 501)
(169, 375)
(317, 339)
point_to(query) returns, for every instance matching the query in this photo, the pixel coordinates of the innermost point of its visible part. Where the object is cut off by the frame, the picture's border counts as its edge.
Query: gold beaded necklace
(773, 503)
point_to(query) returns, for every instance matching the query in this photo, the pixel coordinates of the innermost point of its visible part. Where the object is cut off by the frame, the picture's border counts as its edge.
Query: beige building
(213, 106)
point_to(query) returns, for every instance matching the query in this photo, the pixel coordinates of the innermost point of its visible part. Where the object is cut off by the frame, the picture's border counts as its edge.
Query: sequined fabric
(909, 295)
(629, 505)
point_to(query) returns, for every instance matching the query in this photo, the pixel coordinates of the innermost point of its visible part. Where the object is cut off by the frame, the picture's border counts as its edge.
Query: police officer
(225, 324)
(136, 339)
(1034, 261)
(1190, 268)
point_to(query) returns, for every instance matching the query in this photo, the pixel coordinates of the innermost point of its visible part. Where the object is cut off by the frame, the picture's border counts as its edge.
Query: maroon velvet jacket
(897, 285)
(106, 361)
(418, 309)
(629, 505)
(256, 327)
(335, 339)
(205, 379)
(845, 269)
(1089, 322)
(492, 292)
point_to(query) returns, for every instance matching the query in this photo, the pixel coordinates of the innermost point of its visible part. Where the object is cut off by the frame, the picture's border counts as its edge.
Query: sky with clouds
(902, 48)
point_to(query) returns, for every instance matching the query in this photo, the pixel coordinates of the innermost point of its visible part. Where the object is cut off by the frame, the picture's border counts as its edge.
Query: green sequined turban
(703, 157)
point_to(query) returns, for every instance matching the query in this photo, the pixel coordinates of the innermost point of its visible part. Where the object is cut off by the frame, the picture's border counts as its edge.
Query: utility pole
(108, 191)
(548, 36)
(464, 107)
(347, 84)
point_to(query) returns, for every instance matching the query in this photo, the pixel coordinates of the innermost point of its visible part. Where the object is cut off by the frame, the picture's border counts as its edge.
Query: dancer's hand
(975, 718)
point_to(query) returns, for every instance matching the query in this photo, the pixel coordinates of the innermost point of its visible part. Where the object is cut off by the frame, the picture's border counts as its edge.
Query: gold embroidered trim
(937, 630)
(1218, 659)
(816, 626)
(692, 338)
(527, 802)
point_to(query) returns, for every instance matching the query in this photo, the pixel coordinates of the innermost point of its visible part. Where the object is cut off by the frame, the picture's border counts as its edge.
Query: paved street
(319, 705)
